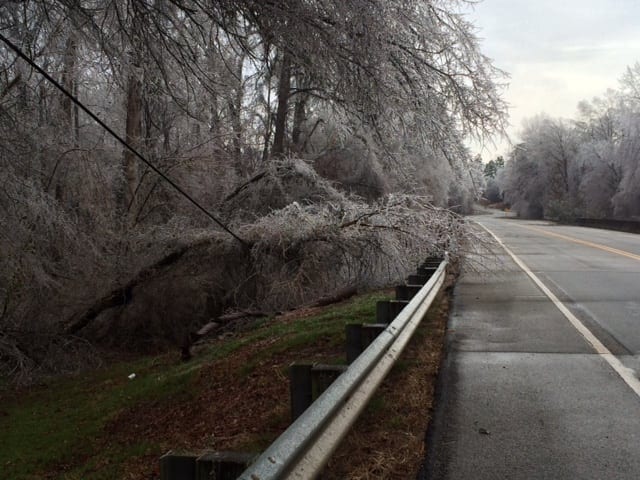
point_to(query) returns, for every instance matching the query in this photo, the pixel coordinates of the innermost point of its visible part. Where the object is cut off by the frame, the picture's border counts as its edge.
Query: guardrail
(631, 226)
(304, 448)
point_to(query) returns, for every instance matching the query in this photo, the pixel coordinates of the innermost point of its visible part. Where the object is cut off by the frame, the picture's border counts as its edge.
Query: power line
(119, 139)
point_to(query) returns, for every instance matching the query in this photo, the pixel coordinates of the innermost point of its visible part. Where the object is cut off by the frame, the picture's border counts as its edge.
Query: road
(540, 379)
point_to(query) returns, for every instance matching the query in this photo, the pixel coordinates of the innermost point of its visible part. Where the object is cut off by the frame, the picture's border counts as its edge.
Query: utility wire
(120, 139)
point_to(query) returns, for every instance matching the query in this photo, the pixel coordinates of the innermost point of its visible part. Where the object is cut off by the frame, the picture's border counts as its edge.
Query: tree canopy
(347, 117)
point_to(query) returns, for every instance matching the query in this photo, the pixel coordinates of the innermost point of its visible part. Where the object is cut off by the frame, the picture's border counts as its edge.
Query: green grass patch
(58, 424)
(327, 327)
(61, 426)
(109, 465)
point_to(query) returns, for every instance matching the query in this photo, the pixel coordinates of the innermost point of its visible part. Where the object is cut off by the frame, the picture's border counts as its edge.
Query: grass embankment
(232, 396)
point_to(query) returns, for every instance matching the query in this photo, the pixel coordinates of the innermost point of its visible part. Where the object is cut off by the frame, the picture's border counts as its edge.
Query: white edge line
(625, 373)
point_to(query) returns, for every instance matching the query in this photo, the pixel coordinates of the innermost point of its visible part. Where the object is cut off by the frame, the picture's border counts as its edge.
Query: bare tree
(372, 97)
(587, 167)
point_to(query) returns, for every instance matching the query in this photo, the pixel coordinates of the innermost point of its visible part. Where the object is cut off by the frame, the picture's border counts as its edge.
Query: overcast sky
(557, 52)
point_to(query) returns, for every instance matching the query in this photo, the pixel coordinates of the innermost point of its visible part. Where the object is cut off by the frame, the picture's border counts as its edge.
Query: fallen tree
(311, 244)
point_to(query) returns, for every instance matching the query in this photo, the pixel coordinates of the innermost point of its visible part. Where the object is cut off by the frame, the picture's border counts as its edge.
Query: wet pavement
(522, 393)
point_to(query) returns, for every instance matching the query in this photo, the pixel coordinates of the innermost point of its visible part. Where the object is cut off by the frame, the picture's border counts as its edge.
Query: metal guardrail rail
(304, 448)
(631, 226)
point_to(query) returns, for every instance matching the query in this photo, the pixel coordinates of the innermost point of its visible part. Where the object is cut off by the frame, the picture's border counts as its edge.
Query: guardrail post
(370, 331)
(432, 262)
(307, 382)
(222, 465)
(322, 376)
(300, 388)
(178, 466)
(387, 310)
(360, 336)
(417, 279)
(427, 271)
(407, 292)
(304, 448)
(354, 340)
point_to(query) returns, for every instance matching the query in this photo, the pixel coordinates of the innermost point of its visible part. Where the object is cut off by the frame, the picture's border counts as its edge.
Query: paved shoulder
(522, 394)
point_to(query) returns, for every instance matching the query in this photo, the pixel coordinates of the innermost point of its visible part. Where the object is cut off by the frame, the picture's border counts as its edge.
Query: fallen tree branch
(205, 330)
(229, 317)
(339, 296)
(123, 295)
(194, 337)
(244, 186)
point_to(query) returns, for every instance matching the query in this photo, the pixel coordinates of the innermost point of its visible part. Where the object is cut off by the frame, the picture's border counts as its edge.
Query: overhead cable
(95, 118)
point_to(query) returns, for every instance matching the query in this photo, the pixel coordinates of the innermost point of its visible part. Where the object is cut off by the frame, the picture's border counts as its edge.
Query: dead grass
(234, 395)
(240, 402)
(388, 441)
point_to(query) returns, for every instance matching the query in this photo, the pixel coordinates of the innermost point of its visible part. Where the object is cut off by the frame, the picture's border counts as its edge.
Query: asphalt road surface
(540, 380)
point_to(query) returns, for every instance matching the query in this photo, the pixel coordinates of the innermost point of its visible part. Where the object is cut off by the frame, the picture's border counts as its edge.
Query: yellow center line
(584, 242)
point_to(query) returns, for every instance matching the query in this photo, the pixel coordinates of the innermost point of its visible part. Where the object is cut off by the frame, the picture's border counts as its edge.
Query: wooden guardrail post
(432, 262)
(427, 271)
(307, 382)
(353, 334)
(322, 376)
(370, 331)
(207, 466)
(222, 465)
(407, 292)
(387, 310)
(177, 466)
(359, 337)
(417, 279)
(300, 388)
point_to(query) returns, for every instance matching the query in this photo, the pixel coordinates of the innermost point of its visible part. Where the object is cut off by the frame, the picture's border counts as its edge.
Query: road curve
(540, 379)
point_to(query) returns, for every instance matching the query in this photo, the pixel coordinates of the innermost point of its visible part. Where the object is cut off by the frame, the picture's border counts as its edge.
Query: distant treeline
(585, 167)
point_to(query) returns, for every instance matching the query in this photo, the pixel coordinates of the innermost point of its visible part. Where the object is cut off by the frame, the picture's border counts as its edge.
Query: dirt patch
(241, 404)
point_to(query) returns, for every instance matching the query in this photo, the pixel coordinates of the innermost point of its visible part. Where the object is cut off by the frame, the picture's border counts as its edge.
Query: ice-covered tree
(252, 107)
(545, 173)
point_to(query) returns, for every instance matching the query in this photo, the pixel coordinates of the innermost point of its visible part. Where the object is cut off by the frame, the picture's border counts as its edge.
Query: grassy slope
(93, 426)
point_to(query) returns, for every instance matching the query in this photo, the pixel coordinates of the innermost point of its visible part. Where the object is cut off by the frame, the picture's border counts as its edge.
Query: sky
(557, 53)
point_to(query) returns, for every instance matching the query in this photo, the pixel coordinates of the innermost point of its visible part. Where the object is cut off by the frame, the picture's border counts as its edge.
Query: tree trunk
(133, 133)
(284, 88)
(69, 83)
(69, 112)
(124, 294)
(236, 127)
(299, 116)
(235, 111)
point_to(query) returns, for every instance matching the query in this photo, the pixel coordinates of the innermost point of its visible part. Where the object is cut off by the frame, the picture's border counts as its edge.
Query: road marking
(583, 242)
(627, 374)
